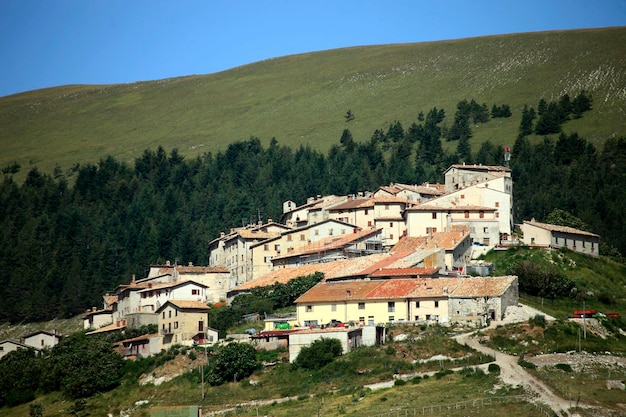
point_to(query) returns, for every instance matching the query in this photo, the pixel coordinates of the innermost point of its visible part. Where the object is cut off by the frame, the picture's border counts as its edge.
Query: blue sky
(47, 43)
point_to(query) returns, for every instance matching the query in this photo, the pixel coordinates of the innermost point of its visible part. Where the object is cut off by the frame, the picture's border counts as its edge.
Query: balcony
(166, 331)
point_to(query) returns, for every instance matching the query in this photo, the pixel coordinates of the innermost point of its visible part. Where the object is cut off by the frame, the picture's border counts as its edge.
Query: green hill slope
(302, 99)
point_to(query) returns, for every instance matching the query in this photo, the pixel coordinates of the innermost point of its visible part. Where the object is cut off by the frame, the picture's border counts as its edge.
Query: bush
(564, 367)
(319, 354)
(538, 320)
(399, 382)
(494, 368)
(231, 362)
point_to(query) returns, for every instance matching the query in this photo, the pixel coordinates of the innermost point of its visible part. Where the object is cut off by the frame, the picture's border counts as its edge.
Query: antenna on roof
(507, 156)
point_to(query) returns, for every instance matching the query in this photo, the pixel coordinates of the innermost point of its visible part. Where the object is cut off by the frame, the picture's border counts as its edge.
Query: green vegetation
(319, 354)
(231, 362)
(204, 113)
(77, 367)
(598, 282)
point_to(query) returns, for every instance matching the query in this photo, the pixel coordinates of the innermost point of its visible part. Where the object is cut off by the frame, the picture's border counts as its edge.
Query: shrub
(494, 368)
(399, 382)
(233, 361)
(564, 367)
(319, 354)
(538, 320)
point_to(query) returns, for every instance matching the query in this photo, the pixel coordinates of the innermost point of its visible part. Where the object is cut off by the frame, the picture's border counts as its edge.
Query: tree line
(64, 241)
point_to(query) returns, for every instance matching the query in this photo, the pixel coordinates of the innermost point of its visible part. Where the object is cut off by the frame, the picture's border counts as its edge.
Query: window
(466, 214)
(361, 306)
(386, 206)
(317, 232)
(170, 314)
(267, 259)
(391, 319)
(434, 215)
(417, 318)
(164, 314)
(302, 237)
(391, 236)
(497, 204)
(497, 215)
(462, 195)
(391, 307)
(370, 320)
(485, 230)
(436, 304)
(390, 224)
(288, 238)
(200, 326)
(369, 223)
(309, 309)
(333, 307)
(266, 247)
(362, 320)
(176, 325)
(195, 291)
(486, 241)
(417, 304)
(366, 211)
(481, 214)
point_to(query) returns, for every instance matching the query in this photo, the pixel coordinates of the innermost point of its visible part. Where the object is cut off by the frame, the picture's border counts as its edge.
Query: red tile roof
(331, 243)
(407, 288)
(474, 167)
(409, 272)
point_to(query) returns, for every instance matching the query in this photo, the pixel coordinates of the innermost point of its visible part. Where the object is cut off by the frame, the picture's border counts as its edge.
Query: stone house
(553, 236)
(184, 322)
(232, 250)
(370, 302)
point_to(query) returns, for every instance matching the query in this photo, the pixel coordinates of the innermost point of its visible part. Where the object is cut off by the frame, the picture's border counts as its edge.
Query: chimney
(269, 220)
(190, 264)
(167, 263)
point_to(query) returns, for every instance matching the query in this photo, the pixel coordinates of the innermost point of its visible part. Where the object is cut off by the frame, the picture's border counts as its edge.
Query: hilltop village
(402, 253)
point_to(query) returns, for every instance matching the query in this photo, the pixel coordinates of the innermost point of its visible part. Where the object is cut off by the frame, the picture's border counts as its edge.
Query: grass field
(302, 99)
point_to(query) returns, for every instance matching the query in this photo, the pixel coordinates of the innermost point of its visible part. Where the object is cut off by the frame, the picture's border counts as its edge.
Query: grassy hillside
(301, 99)
(599, 282)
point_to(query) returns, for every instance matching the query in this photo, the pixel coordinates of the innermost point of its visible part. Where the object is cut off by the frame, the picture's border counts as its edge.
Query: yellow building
(371, 302)
(184, 322)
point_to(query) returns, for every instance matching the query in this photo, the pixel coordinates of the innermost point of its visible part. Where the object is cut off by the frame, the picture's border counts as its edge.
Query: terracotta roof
(407, 244)
(338, 291)
(369, 202)
(385, 262)
(483, 286)
(432, 189)
(139, 338)
(121, 325)
(354, 203)
(393, 288)
(344, 267)
(397, 272)
(188, 304)
(446, 240)
(407, 288)
(256, 234)
(562, 229)
(331, 243)
(110, 299)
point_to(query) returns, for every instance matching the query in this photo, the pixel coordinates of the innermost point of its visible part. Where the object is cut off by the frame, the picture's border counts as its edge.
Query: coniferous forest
(68, 238)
